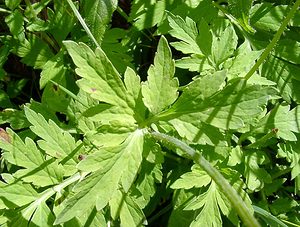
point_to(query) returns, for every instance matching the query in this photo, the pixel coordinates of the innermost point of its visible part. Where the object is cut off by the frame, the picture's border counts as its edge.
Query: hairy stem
(274, 40)
(236, 201)
(82, 22)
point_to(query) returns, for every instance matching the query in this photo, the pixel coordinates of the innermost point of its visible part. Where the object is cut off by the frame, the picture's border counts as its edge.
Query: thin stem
(274, 40)
(44, 196)
(122, 13)
(2, 10)
(82, 22)
(236, 201)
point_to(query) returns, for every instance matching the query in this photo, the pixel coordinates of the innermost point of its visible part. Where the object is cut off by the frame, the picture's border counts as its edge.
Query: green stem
(2, 10)
(44, 196)
(83, 24)
(228, 190)
(122, 13)
(274, 40)
(262, 140)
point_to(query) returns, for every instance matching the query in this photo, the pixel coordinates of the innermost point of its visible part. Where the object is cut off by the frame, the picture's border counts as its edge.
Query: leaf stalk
(236, 201)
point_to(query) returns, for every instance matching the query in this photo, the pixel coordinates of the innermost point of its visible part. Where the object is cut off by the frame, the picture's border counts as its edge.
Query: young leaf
(160, 90)
(133, 86)
(112, 166)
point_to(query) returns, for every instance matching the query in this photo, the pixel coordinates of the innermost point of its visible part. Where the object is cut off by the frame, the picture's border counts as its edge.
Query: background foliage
(82, 83)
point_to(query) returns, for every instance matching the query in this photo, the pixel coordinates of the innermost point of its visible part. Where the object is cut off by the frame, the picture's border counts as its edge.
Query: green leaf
(33, 51)
(106, 163)
(198, 133)
(267, 17)
(16, 195)
(205, 38)
(124, 206)
(55, 141)
(5, 100)
(146, 183)
(15, 22)
(35, 214)
(285, 76)
(116, 51)
(180, 216)
(288, 50)
(210, 202)
(223, 46)
(61, 20)
(53, 68)
(186, 31)
(268, 217)
(284, 120)
(291, 151)
(133, 86)
(16, 118)
(240, 10)
(112, 134)
(97, 15)
(146, 14)
(210, 214)
(12, 4)
(37, 169)
(196, 178)
(194, 63)
(160, 90)
(231, 107)
(100, 78)
(78, 107)
(255, 176)
(243, 60)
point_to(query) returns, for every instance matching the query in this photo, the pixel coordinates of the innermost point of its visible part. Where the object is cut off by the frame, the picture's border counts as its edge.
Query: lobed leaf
(110, 166)
(55, 142)
(160, 90)
(100, 79)
(229, 108)
(37, 169)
